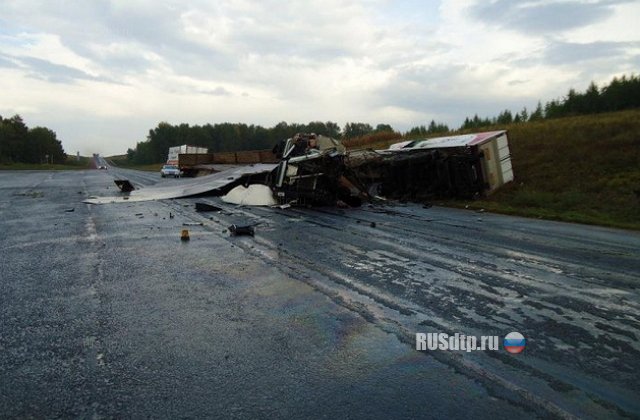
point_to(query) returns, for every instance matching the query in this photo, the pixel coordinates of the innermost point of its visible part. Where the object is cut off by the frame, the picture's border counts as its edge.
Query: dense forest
(21, 144)
(622, 93)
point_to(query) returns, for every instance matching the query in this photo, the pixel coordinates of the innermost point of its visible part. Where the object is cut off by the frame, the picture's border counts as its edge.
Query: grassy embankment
(72, 163)
(121, 161)
(583, 169)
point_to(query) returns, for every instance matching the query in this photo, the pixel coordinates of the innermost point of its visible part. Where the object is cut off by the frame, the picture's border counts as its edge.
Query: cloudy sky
(101, 73)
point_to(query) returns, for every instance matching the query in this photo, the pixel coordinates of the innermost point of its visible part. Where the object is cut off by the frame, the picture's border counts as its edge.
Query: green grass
(121, 161)
(70, 164)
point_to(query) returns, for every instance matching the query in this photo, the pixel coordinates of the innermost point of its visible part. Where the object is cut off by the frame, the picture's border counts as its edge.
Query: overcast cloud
(102, 73)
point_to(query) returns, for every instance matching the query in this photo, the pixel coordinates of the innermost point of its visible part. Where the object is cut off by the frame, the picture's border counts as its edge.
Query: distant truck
(197, 161)
(188, 158)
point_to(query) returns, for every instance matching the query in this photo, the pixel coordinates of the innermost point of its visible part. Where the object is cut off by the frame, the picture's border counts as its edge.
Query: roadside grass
(121, 162)
(71, 164)
(153, 167)
(583, 169)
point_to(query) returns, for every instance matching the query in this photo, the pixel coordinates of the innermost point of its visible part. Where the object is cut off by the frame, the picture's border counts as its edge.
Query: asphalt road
(105, 313)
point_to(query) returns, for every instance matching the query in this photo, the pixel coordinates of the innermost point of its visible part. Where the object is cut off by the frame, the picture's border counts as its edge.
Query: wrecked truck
(314, 170)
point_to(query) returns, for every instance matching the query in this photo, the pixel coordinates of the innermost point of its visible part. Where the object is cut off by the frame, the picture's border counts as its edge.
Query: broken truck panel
(218, 183)
(124, 185)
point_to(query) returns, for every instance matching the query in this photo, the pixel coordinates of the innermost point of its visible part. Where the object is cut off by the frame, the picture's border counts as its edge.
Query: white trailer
(176, 151)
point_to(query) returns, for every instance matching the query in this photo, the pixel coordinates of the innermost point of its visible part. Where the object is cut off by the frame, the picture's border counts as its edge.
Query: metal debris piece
(202, 207)
(124, 185)
(241, 230)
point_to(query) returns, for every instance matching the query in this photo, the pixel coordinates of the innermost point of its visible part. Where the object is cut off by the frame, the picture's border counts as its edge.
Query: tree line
(622, 93)
(227, 137)
(21, 144)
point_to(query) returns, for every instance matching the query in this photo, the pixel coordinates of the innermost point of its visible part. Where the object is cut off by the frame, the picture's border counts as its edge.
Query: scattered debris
(282, 206)
(124, 185)
(241, 230)
(203, 207)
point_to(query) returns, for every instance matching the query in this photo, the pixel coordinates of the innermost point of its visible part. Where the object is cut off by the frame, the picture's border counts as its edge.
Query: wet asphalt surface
(105, 313)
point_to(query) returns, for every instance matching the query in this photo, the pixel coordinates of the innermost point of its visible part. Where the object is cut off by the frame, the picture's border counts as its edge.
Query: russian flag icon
(514, 342)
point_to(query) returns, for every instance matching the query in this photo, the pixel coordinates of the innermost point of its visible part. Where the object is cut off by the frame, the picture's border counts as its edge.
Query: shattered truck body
(318, 171)
(312, 171)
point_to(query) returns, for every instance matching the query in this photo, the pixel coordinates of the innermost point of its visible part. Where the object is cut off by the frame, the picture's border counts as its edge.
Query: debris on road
(204, 207)
(124, 185)
(242, 230)
(184, 235)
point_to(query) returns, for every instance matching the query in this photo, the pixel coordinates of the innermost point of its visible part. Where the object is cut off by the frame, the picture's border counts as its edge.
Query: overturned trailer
(463, 166)
(317, 171)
